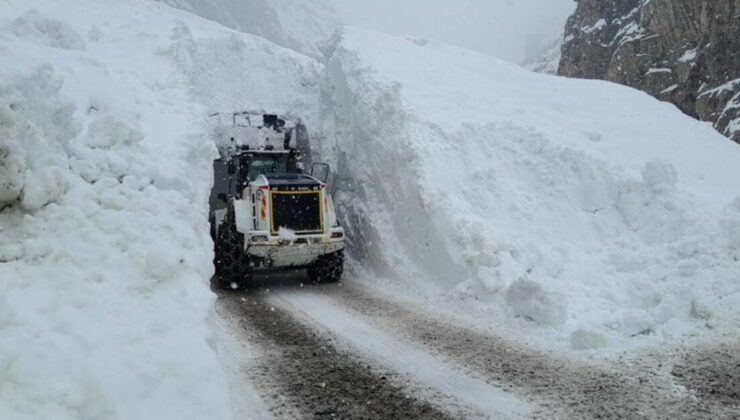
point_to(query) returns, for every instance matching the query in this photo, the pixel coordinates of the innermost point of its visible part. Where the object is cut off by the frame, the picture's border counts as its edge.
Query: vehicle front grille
(299, 211)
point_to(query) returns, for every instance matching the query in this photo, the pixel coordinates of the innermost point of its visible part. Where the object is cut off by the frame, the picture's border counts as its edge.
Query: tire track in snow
(302, 374)
(238, 356)
(562, 388)
(418, 366)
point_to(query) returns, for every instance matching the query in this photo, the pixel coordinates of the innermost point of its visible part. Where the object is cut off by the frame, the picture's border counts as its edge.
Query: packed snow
(578, 214)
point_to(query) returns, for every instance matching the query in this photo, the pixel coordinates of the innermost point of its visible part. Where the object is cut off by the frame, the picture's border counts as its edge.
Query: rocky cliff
(683, 51)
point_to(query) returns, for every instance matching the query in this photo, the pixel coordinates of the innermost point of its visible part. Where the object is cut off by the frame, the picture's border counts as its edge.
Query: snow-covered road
(350, 351)
(302, 372)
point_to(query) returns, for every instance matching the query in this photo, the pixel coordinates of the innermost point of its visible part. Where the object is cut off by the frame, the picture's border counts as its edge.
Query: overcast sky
(510, 29)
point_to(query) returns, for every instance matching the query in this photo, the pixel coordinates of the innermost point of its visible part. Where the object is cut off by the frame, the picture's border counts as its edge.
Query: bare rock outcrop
(683, 51)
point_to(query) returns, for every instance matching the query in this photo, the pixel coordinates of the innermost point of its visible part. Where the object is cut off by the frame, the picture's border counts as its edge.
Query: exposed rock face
(683, 51)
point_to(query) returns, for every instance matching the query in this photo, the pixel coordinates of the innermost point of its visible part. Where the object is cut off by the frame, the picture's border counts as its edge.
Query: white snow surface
(295, 24)
(105, 169)
(578, 214)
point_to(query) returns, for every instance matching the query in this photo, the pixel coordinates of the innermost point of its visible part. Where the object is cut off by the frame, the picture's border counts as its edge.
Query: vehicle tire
(328, 268)
(232, 265)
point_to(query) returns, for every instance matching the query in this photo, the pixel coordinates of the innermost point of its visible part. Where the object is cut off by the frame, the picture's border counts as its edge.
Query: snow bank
(575, 211)
(228, 72)
(104, 250)
(294, 24)
(105, 162)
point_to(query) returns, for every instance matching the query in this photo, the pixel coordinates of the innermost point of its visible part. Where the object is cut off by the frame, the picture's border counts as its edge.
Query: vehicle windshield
(267, 164)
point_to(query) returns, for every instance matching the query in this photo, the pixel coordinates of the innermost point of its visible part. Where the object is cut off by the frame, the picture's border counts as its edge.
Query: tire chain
(232, 266)
(328, 268)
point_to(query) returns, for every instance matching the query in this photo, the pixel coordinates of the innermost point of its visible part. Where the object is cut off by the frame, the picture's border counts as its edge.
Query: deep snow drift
(568, 210)
(105, 165)
(294, 24)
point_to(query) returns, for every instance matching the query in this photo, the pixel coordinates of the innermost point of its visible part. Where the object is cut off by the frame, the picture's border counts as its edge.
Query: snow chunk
(36, 127)
(531, 301)
(286, 233)
(651, 207)
(635, 322)
(582, 339)
(43, 186)
(12, 158)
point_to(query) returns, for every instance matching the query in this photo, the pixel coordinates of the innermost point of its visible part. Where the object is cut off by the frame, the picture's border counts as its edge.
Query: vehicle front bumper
(299, 252)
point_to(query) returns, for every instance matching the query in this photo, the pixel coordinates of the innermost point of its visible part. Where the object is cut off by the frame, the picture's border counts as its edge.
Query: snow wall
(105, 171)
(294, 24)
(567, 210)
